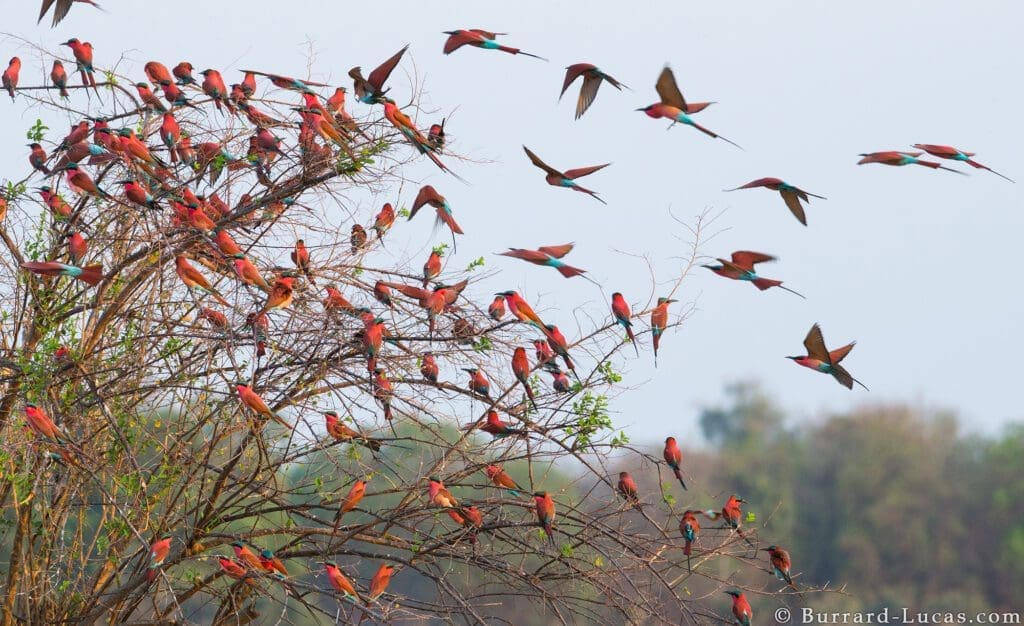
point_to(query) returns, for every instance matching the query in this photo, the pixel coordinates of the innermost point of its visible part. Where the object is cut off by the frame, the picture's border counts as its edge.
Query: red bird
(545, 513)
(37, 158)
(10, 76)
(790, 194)
(897, 158)
(383, 221)
(157, 73)
(821, 359)
(478, 383)
(234, 569)
(689, 527)
(674, 458)
(341, 432)
(521, 370)
(59, 78)
(371, 90)
(300, 257)
(480, 39)
(497, 308)
(63, 7)
(246, 557)
(502, 480)
(732, 513)
(158, 552)
(213, 86)
(193, 279)
(549, 256)
(949, 152)
(659, 322)
(432, 268)
(496, 427)
(43, 426)
(429, 196)
(781, 564)
(281, 294)
(428, 368)
(382, 293)
(149, 100)
(216, 318)
(543, 351)
(673, 106)
(353, 497)
(382, 391)
(340, 582)
(252, 400)
(559, 381)
(741, 267)
(627, 489)
(568, 178)
(249, 274)
(741, 608)
(357, 238)
(592, 78)
(91, 274)
(557, 343)
(83, 60)
(183, 72)
(380, 581)
(77, 248)
(620, 309)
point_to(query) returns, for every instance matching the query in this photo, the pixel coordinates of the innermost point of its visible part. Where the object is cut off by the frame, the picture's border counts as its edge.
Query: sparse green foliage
(37, 132)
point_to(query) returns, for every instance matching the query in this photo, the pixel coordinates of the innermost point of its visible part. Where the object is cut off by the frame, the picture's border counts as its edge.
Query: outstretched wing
(456, 41)
(580, 172)
(380, 75)
(45, 7)
(815, 344)
(541, 164)
(793, 202)
(573, 72)
(588, 92)
(557, 251)
(747, 259)
(668, 90)
(839, 354)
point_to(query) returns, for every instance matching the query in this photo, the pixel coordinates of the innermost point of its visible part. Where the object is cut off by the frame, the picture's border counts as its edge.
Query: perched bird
(672, 105)
(42, 426)
(246, 557)
(59, 77)
(252, 400)
(545, 513)
(281, 294)
(194, 279)
(435, 136)
(340, 582)
(353, 497)
(480, 39)
(659, 322)
(740, 608)
(91, 274)
(83, 60)
(493, 425)
(55, 202)
(780, 563)
(627, 489)
(283, 82)
(622, 314)
(382, 391)
(897, 158)
(272, 564)
(732, 513)
(790, 194)
(949, 152)
(371, 90)
(380, 580)
(10, 76)
(428, 367)
(429, 196)
(502, 480)
(358, 238)
(77, 248)
(407, 127)
(158, 552)
(592, 78)
(382, 293)
(215, 318)
(741, 267)
(439, 494)
(432, 267)
(235, 570)
(183, 72)
(559, 381)
(383, 220)
(566, 179)
(522, 310)
(689, 527)
(549, 256)
(558, 344)
(80, 182)
(300, 257)
(521, 370)
(157, 73)
(341, 432)
(496, 310)
(61, 10)
(674, 458)
(542, 350)
(248, 273)
(819, 358)
(478, 383)
(37, 158)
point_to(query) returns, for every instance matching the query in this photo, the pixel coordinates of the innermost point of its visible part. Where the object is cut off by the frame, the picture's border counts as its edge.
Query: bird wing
(588, 92)
(580, 172)
(425, 195)
(572, 73)
(59, 13)
(541, 164)
(839, 354)
(531, 256)
(746, 258)
(815, 344)
(668, 90)
(456, 41)
(452, 293)
(844, 377)
(793, 202)
(557, 251)
(760, 182)
(486, 33)
(410, 291)
(44, 8)
(380, 75)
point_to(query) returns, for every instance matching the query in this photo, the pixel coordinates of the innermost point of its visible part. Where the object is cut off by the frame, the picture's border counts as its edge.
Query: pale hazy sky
(921, 267)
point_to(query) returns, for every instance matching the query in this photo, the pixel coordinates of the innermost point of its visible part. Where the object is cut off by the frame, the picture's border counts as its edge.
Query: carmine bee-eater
(157, 73)
(432, 268)
(478, 383)
(568, 178)
(559, 381)
(300, 257)
(213, 86)
(674, 458)
(820, 359)
(732, 514)
(380, 580)
(954, 154)
(248, 84)
(342, 432)
(522, 310)
(42, 426)
(521, 370)
(480, 39)
(353, 497)
(77, 248)
(63, 6)
(543, 351)
(373, 342)
(494, 426)
(407, 127)
(80, 182)
(741, 267)
(234, 569)
(357, 238)
(383, 221)
(83, 59)
(272, 564)
(689, 527)
(287, 82)
(557, 343)
(252, 400)
(215, 318)
(897, 158)
(337, 302)
(791, 194)
(439, 494)
(249, 274)
(10, 76)
(371, 90)
(138, 194)
(136, 148)
(170, 135)
(673, 106)
(158, 552)
(659, 322)
(183, 72)
(502, 480)
(429, 196)
(382, 293)
(496, 310)
(592, 78)
(79, 132)
(545, 513)
(382, 391)
(780, 564)
(60, 208)
(175, 96)
(281, 294)
(59, 77)
(620, 309)
(428, 367)
(741, 610)
(627, 489)
(3, 209)
(435, 136)
(149, 100)
(549, 256)
(246, 557)
(340, 583)
(91, 274)
(37, 158)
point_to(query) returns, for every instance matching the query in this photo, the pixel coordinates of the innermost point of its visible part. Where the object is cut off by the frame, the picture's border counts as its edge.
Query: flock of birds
(150, 182)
